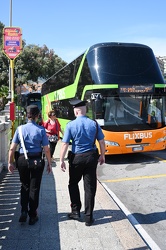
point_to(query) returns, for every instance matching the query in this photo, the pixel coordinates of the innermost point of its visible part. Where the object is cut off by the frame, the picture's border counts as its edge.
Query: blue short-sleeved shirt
(34, 137)
(82, 132)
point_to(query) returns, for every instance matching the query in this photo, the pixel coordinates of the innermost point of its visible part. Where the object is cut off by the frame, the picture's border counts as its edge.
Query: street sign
(12, 41)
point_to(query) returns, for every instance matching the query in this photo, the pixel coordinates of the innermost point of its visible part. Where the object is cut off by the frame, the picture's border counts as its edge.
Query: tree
(36, 62)
(4, 70)
(4, 62)
(3, 95)
(1, 32)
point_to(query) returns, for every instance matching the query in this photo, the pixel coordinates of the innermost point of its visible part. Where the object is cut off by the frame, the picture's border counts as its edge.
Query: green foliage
(3, 96)
(4, 91)
(4, 61)
(1, 32)
(4, 70)
(33, 63)
(36, 62)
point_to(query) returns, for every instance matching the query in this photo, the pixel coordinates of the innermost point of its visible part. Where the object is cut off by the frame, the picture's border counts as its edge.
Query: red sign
(12, 42)
(12, 111)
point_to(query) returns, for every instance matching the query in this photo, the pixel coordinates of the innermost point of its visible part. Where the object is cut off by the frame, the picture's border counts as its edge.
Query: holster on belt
(70, 156)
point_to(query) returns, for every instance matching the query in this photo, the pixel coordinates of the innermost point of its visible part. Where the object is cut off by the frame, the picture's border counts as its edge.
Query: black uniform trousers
(83, 165)
(52, 147)
(30, 179)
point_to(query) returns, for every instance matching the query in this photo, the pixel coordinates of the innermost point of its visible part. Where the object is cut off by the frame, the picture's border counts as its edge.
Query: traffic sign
(12, 41)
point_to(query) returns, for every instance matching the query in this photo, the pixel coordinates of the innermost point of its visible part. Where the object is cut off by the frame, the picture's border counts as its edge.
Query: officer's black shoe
(33, 220)
(23, 217)
(89, 223)
(74, 215)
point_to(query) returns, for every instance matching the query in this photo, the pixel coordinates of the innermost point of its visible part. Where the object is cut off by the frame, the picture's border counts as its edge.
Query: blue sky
(69, 27)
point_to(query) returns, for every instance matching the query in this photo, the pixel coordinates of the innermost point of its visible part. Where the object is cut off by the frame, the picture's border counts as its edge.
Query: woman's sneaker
(53, 161)
(74, 215)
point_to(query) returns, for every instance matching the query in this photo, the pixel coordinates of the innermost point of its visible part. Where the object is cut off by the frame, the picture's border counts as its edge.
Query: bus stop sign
(12, 42)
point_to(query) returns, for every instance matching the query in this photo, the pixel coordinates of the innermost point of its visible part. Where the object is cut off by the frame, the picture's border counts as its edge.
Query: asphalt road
(138, 182)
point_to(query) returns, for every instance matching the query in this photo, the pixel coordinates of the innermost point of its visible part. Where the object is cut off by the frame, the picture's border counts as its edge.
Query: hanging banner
(12, 42)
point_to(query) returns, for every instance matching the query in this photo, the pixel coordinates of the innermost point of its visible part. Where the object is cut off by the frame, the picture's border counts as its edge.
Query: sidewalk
(54, 231)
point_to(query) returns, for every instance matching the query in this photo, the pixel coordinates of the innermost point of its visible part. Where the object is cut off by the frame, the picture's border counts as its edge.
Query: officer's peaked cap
(33, 110)
(77, 103)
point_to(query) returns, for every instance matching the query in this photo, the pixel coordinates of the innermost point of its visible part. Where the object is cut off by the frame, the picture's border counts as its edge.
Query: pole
(10, 13)
(10, 80)
(12, 91)
(11, 77)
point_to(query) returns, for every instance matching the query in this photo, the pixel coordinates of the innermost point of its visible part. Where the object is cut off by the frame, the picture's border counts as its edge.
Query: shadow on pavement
(17, 236)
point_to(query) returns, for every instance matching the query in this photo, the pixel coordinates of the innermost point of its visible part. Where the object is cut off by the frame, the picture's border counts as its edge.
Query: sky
(69, 27)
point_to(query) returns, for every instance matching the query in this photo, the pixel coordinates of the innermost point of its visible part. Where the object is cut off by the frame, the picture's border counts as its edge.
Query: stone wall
(5, 138)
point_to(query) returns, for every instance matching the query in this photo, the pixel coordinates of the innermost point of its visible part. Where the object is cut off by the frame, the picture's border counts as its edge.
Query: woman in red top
(52, 127)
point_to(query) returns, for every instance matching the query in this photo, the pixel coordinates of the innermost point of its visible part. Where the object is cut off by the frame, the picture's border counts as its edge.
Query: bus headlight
(111, 143)
(160, 140)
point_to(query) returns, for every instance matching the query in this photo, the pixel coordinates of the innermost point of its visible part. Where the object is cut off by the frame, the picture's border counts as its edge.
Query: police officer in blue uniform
(35, 140)
(83, 159)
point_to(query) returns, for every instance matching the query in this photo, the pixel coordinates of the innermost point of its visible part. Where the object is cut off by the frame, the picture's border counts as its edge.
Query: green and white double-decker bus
(125, 93)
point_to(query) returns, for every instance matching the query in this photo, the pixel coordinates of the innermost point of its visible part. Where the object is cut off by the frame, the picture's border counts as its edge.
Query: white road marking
(148, 240)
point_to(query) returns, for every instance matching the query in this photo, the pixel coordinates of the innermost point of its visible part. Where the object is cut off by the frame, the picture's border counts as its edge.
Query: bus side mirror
(97, 104)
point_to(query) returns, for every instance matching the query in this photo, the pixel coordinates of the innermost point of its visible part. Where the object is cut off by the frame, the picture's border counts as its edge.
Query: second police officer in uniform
(83, 159)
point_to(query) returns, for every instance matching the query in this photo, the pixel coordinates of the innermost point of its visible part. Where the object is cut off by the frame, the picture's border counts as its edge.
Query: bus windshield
(132, 112)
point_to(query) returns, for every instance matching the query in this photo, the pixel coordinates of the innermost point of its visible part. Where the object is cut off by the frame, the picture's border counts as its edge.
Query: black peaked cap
(33, 109)
(77, 103)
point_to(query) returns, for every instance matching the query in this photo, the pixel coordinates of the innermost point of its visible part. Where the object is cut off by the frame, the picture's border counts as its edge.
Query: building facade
(162, 63)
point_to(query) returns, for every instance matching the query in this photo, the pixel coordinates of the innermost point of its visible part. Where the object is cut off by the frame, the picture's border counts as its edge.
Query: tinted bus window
(63, 78)
(120, 64)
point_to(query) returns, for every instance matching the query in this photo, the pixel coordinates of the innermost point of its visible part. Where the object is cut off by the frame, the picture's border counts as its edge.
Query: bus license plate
(138, 148)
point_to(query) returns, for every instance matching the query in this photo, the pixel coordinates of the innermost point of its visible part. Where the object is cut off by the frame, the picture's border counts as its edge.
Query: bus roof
(117, 44)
